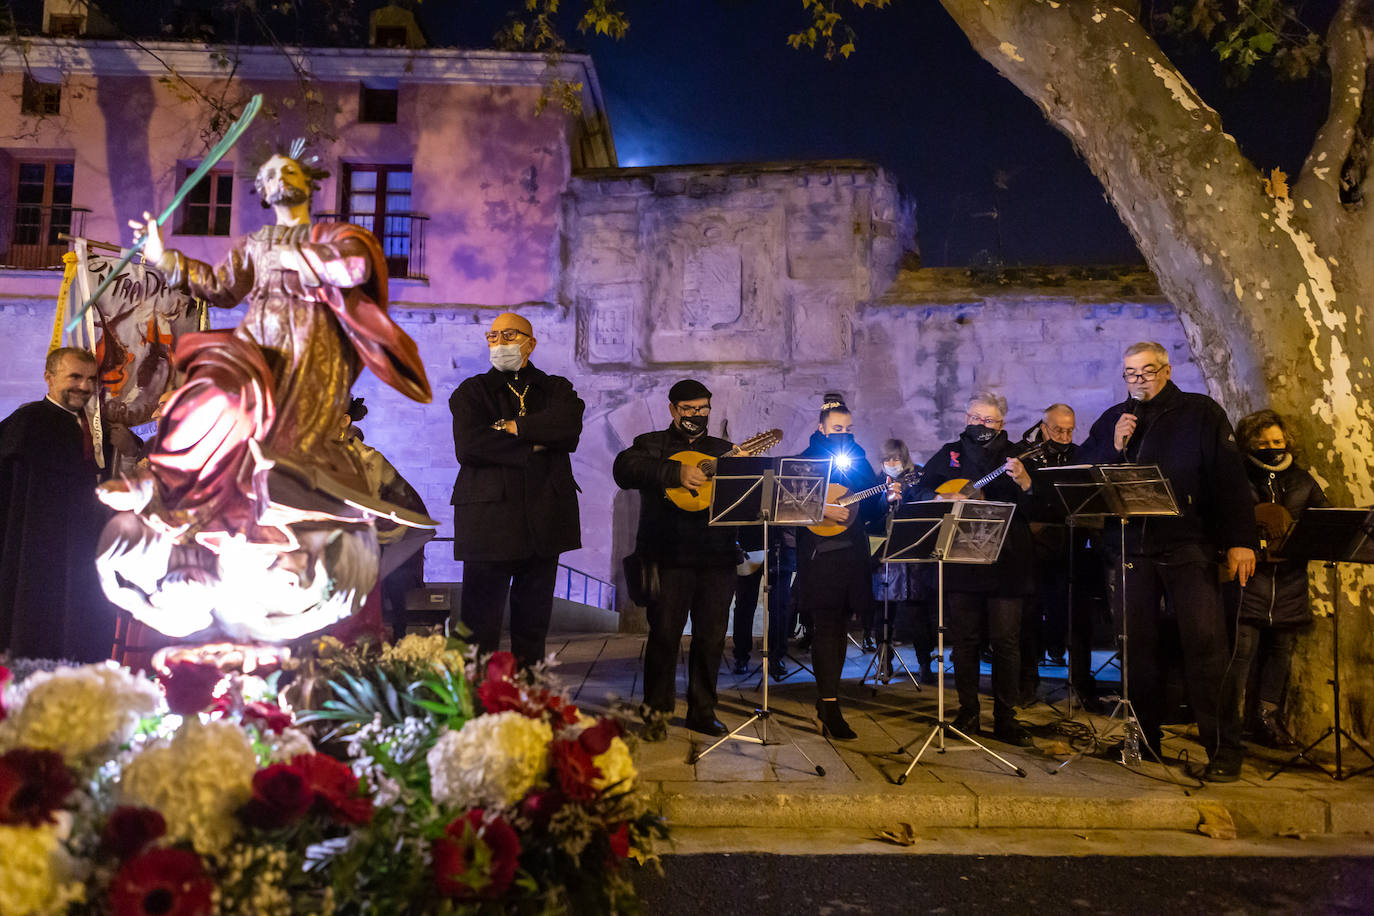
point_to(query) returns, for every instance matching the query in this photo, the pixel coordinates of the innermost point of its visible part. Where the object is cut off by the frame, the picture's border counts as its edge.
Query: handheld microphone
(1132, 409)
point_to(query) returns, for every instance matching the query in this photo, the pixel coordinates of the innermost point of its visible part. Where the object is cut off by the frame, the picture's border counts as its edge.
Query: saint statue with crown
(253, 519)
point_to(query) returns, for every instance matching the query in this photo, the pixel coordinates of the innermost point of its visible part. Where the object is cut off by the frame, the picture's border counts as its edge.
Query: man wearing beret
(695, 563)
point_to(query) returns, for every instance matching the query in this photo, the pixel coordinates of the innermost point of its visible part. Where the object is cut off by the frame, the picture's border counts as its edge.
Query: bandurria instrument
(700, 499)
(974, 490)
(838, 494)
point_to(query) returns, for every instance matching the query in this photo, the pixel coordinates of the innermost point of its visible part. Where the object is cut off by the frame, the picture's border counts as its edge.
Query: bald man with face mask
(515, 500)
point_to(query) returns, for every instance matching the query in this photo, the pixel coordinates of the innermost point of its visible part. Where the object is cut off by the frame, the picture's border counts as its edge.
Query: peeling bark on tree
(1272, 292)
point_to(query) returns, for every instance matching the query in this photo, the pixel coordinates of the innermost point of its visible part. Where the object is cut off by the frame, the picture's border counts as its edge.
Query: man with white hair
(1176, 559)
(986, 595)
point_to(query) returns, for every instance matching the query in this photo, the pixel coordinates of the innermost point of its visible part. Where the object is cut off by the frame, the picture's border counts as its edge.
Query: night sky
(715, 81)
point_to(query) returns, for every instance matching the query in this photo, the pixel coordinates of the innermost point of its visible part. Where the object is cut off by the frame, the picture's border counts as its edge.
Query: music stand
(1333, 536)
(880, 666)
(1120, 491)
(966, 531)
(766, 491)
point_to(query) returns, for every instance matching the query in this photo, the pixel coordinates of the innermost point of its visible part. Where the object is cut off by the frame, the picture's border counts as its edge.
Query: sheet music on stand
(952, 531)
(1330, 535)
(782, 491)
(1097, 491)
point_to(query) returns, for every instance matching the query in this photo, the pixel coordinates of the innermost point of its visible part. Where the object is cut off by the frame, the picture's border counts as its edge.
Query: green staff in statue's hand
(226, 143)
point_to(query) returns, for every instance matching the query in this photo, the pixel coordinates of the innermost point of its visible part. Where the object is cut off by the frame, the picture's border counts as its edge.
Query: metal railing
(402, 236)
(577, 585)
(34, 235)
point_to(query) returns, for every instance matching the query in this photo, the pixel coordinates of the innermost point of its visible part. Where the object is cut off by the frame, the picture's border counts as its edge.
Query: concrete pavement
(746, 790)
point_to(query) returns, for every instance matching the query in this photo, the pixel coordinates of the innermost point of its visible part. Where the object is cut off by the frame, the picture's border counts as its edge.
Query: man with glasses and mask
(515, 500)
(1190, 438)
(986, 595)
(695, 563)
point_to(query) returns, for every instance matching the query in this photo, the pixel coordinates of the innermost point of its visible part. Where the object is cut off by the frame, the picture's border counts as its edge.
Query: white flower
(493, 761)
(78, 711)
(37, 876)
(292, 742)
(197, 781)
(617, 766)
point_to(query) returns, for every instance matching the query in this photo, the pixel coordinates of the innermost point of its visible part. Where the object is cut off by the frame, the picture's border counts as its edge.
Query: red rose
(501, 666)
(335, 788)
(33, 784)
(565, 713)
(540, 807)
(190, 686)
(597, 739)
(469, 844)
(4, 679)
(620, 841)
(130, 829)
(576, 771)
(280, 796)
(268, 717)
(501, 696)
(163, 882)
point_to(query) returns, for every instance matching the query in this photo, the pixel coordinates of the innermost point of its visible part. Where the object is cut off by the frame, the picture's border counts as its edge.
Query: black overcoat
(51, 603)
(1276, 595)
(512, 501)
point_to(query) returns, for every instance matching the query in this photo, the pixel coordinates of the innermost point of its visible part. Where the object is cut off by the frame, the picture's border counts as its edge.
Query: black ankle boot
(832, 722)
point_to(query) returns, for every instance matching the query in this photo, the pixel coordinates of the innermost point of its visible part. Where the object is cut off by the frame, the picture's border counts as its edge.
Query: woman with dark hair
(833, 580)
(1273, 605)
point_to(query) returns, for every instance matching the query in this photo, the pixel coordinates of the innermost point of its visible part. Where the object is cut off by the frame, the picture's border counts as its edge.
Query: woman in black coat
(1273, 606)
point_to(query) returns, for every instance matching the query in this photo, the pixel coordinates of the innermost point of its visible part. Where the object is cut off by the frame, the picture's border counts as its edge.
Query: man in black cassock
(515, 500)
(51, 603)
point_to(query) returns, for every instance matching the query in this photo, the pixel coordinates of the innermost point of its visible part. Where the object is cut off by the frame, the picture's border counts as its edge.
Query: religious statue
(253, 519)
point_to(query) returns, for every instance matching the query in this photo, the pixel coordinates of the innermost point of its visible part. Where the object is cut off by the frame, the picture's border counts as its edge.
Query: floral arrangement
(409, 778)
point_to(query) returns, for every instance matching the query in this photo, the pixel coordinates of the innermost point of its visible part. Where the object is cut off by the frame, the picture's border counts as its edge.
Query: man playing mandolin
(975, 594)
(695, 562)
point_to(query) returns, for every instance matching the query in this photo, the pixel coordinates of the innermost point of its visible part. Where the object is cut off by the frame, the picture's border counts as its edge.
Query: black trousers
(746, 603)
(1186, 584)
(965, 614)
(704, 596)
(1259, 673)
(529, 585)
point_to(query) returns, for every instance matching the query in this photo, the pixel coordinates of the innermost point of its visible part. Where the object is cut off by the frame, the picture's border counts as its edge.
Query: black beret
(689, 389)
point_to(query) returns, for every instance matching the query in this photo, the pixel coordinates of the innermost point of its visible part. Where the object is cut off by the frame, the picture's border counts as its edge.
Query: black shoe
(1012, 732)
(741, 666)
(1056, 660)
(967, 722)
(655, 725)
(777, 669)
(707, 725)
(1090, 703)
(868, 644)
(927, 675)
(1271, 731)
(832, 722)
(1224, 767)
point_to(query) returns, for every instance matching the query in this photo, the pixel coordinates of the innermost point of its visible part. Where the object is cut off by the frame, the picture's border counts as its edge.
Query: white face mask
(892, 470)
(507, 357)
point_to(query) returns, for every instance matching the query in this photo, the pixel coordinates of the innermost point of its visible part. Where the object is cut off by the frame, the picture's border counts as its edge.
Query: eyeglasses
(1060, 430)
(509, 335)
(1147, 374)
(691, 411)
(975, 419)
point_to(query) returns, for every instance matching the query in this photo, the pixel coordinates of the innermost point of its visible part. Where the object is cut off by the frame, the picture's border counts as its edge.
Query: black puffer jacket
(1276, 596)
(668, 534)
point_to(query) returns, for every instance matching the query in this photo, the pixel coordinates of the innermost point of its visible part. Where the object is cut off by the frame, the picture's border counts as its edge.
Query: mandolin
(700, 499)
(974, 490)
(838, 495)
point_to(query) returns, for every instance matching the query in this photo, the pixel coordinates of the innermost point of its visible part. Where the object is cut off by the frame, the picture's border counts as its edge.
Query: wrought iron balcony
(35, 241)
(402, 236)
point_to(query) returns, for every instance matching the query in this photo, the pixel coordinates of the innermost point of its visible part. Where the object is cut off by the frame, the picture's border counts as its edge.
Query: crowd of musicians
(1203, 607)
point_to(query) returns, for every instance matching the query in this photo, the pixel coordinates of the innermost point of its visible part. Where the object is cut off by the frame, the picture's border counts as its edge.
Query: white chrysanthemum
(37, 876)
(491, 762)
(617, 766)
(292, 742)
(78, 711)
(197, 781)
